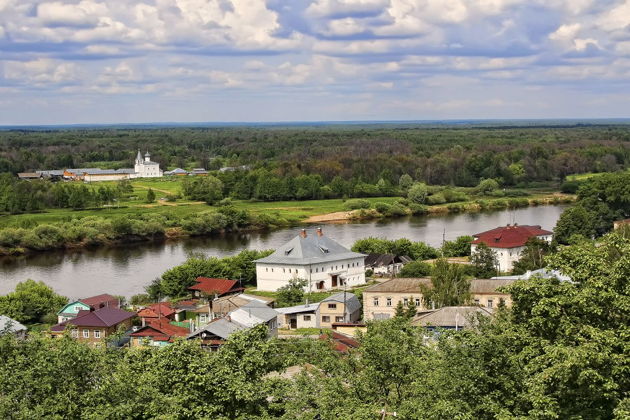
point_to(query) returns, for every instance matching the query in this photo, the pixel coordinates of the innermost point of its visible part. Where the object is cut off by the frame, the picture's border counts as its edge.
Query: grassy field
(584, 176)
(135, 203)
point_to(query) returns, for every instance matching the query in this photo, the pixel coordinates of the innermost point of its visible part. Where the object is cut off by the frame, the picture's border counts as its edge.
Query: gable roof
(400, 285)
(509, 236)
(156, 310)
(104, 317)
(215, 286)
(11, 325)
(100, 301)
(311, 307)
(220, 327)
(161, 331)
(383, 260)
(309, 249)
(450, 316)
(352, 302)
(253, 313)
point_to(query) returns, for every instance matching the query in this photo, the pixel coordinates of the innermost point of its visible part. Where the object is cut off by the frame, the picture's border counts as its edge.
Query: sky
(120, 61)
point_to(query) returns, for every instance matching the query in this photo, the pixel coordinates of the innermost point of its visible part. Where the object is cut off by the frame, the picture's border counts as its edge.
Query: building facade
(322, 262)
(145, 168)
(508, 242)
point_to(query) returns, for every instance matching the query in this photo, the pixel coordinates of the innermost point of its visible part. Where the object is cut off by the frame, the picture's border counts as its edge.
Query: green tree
(32, 302)
(574, 221)
(449, 285)
(203, 188)
(150, 196)
(291, 294)
(418, 193)
(405, 182)
(533, 256)
(415, 269)
(486, 186)
(460, 247)
(484, 261)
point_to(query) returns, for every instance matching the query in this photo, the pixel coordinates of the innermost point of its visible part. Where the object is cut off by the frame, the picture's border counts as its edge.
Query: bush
(396, 210)
(498, 204)
(452, 196)
(382, 207)
(514, 203)
(496, 193)
(570, 187)
(436, 199)
(487, 186)
(415, 269)
(418, 193)
(356, 204)
(418, 209)
(455, 207)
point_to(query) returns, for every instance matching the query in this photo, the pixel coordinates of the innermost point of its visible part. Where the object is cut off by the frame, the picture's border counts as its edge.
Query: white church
(145, 168)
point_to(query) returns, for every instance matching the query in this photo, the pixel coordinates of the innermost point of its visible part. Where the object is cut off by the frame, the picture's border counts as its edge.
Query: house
(299, 316)
(256, 313)
(508, 242)
(322, 262)
(70, 310)
(385, 264)
(27, 176)
(95, 325)
(380, 300)
(340, 342)
(11, 326)
(450, 317)
(220, 307)
(156, 311)
(208, 287)
(157, 333)
(543, 273)
(199, 172)
(216, 332)
(176, 172)
(340, 307)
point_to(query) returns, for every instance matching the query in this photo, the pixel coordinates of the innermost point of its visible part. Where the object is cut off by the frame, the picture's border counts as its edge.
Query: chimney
(319, 232)
(303, 233)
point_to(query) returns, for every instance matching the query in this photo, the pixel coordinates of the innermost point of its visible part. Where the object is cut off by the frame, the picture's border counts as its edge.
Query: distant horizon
(298, 123)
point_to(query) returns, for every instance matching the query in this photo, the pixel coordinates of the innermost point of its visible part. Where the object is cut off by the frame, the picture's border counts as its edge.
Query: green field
(584, 176)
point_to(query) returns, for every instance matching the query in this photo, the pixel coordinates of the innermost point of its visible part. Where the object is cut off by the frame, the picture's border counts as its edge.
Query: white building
(508, 242)
(340, 307)
(145, 168)
(319, 260)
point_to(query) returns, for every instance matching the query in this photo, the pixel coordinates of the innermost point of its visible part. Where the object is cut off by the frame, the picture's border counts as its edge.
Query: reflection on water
(126, 270)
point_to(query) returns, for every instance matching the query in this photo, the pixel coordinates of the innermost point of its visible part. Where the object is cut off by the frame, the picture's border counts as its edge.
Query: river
(127, 270)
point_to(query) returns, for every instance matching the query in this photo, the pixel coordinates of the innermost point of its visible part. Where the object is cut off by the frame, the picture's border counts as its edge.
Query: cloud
(320, 58)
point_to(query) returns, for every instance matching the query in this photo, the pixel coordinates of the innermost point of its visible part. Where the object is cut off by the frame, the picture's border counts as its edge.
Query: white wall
(271, 277)
(112, 177)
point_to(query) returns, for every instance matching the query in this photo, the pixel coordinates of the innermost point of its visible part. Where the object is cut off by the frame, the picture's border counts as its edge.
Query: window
(375, 301)
(78, 308)
(332, 306)
(283, 270)
(325, 319)
(417, 301)
(97, 333)
(203, 318)
(272, 270)
(339, 319)
(336, 268)
(86, 333)
(405, 301)
(476, 301)
(311, 270)
(307, 317)
(389, 301)
(267, 269)
(501, 301)
(316, 269)
(489, 303)
(74, 333)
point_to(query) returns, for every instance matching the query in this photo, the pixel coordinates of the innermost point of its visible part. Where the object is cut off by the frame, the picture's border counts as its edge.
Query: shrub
(418, 193)
(396, 210)
(382, 207)
(356, 204)
(436, 199)
(570, 187)
(415, 269)
(455, 207)
(418, 209)
(452, 196)
(498, 204)
(514, 203)
(497, 193)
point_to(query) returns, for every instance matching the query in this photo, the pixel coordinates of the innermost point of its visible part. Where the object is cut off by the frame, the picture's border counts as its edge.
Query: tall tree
(484, 261)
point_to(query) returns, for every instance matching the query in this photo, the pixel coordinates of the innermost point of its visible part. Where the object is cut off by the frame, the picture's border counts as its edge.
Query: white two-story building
(319, 260)
(508, 242)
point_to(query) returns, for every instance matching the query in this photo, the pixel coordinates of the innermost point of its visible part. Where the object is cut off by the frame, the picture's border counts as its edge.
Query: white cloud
(85, 13)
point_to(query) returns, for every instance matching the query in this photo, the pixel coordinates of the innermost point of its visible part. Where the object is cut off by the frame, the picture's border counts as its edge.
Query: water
(127, 270)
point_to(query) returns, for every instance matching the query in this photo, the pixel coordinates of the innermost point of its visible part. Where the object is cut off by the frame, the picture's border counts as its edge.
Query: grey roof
(256, 309)
(99, 171)
(311, 307)
(352, 302)
(221, 327)
(54, 172)
(139, 156)
(450, 316)
(544, 273)
(312, 249)
(10, 325)
(177, 171)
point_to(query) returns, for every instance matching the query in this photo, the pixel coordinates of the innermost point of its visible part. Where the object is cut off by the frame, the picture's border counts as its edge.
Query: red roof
(341, 342)
(161, 331)
(157, 310)
(101, 301)
(104, 317)
(215, 286)
(509, 236)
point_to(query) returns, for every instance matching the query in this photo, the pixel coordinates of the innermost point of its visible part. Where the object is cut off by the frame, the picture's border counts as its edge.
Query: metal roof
(10, 325)
(221, 327)
(309, 249)
(253, 313)
(311, 307)
(352, 302)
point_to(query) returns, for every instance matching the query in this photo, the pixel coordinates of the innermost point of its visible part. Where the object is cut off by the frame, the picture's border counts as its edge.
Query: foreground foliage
(561, 352)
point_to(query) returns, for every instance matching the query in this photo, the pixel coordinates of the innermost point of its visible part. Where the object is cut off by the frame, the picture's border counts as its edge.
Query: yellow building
(380, 300)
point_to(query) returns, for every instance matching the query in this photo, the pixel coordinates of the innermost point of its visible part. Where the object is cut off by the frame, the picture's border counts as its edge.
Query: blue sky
(109, 61)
